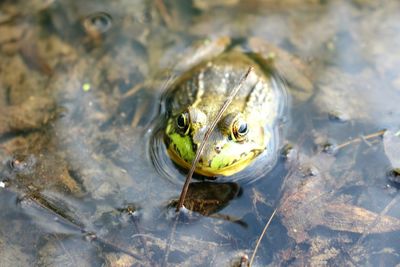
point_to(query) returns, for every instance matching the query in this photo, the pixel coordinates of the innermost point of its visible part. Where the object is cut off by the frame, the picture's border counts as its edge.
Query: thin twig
(70, 257)
(139, 114)
(170, 241)
(261, 237)
(77, 226)
(142, 240)
(134, 90)
(164, 12)
(362, 138)
(377, 220)
(207, 135)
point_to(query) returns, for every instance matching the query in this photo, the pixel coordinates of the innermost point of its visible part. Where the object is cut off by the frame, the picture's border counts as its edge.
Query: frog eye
(182, 122)
(239, 130)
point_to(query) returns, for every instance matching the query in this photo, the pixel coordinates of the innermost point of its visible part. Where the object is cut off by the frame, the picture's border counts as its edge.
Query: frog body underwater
(247, 127)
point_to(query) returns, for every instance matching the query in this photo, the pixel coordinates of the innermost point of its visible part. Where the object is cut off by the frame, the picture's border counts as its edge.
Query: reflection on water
(80, 90)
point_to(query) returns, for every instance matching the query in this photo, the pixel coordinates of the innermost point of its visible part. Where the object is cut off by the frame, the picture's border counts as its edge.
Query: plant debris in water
(80, 87)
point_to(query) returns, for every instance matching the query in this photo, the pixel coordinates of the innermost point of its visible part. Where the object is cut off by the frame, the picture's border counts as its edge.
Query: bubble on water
(99, 22)
(22, 163)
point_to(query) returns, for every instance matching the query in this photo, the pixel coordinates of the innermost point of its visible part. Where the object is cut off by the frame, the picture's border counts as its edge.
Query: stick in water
(261, 237)
(207, 135)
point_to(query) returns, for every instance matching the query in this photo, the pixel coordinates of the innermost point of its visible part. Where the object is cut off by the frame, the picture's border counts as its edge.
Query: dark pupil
(242, 128)
(181, 121)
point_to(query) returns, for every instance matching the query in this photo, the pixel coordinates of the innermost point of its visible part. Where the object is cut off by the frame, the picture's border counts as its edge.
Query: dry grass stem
(207, 135)
(261, 237)
(164, 13)
(362, 138)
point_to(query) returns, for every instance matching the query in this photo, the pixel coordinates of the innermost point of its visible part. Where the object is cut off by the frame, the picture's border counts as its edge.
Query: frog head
(232, 146)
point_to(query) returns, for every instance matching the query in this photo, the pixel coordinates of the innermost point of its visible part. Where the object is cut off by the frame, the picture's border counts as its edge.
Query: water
(80, 90)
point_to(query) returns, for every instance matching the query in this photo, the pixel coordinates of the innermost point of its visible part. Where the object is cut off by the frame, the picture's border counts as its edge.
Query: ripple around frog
(259, 168)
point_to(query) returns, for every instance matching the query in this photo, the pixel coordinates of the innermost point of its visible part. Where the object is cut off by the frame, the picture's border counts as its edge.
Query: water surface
(80, 91)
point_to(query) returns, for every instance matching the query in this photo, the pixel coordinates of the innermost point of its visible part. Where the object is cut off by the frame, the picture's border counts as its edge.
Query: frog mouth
(228, 170)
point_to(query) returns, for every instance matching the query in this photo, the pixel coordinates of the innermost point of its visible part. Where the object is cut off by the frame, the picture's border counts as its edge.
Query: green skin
(198, 95)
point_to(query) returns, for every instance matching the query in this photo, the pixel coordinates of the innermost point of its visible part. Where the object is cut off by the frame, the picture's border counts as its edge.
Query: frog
(248, 128)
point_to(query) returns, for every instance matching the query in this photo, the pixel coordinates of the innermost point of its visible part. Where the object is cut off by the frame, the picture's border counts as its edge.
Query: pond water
(81, 89)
